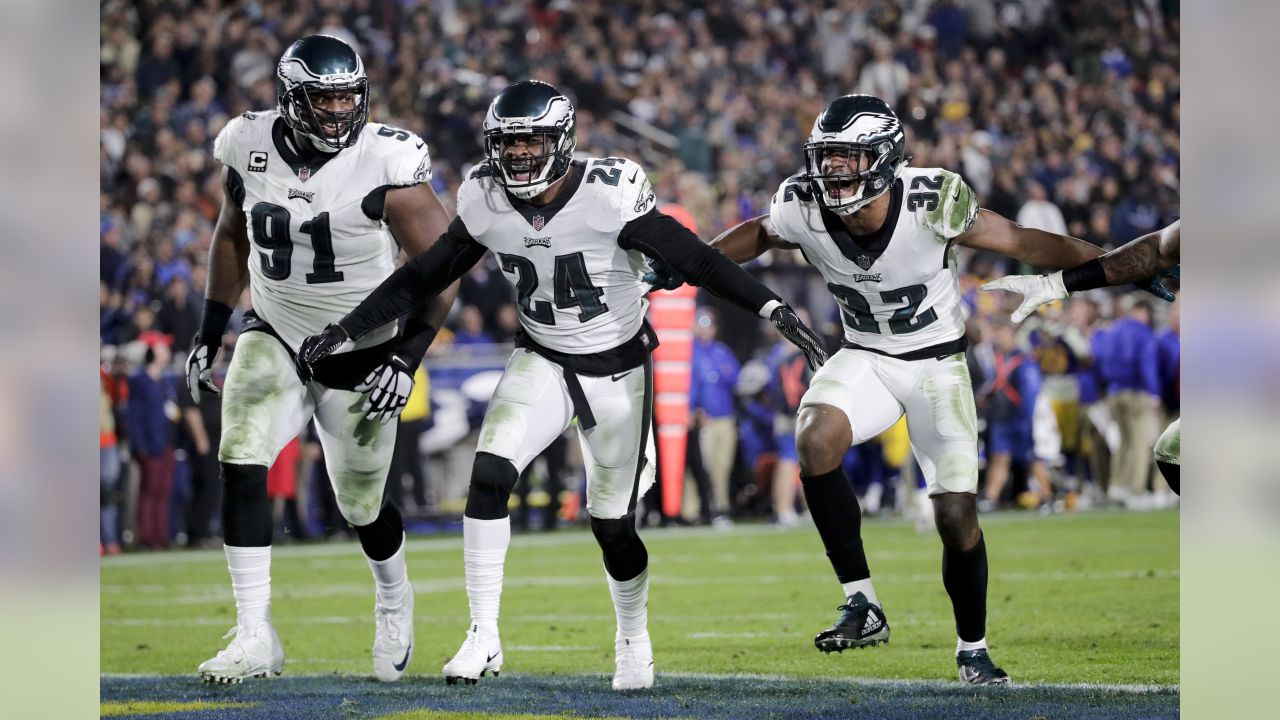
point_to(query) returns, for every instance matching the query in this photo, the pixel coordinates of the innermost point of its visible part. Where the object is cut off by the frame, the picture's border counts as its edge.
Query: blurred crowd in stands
(1061, 115)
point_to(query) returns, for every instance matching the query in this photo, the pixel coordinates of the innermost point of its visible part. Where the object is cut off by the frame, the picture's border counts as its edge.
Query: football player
(1145, 261)
(316, 199)
(883, 235)
(572, 236)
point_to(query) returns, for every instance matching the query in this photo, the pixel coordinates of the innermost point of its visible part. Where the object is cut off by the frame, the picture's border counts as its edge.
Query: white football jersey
(578, 291)
(316, 252)
(897, 288)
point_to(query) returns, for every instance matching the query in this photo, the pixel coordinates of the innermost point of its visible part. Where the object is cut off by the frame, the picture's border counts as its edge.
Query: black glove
(662, 276)
(785, 319)
(388, 387)
(317, 347)
(200, 368)
(204, 349)
(1156, 287)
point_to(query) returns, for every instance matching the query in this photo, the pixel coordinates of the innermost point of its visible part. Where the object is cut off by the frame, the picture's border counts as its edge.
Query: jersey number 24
(572, 283)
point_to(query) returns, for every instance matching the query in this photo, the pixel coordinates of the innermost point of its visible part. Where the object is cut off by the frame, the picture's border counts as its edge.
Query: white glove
(1036, 290)
(388, 387)
(200, 370)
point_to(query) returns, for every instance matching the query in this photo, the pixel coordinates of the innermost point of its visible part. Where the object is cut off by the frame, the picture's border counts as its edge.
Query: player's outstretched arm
(1141, 261)
(749, 240)
(425, 275)
(228, 275)
(996, 233)
(660, 236)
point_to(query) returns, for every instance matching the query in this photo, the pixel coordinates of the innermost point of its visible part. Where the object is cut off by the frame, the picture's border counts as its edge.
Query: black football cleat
(977, 668)
(861, 624)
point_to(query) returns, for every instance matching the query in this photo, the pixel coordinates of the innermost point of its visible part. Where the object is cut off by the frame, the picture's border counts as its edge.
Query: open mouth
(843, 188)
(522, 171)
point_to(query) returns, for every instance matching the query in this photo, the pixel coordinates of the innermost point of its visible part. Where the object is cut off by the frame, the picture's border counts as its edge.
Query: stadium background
(1063, 116)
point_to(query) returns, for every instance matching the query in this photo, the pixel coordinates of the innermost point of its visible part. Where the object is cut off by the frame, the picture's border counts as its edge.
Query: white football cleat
(633, 663)
(481, 652)
(253, 652)
(393, 638)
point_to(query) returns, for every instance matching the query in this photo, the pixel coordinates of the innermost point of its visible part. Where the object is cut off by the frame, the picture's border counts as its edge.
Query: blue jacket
(1014, 388)
(715, 372)
(150, 430)
(1127, 358)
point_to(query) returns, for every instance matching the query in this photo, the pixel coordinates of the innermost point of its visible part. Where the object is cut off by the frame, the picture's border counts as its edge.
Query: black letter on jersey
(271, 230)
(928, 199)
(791, 191)
(538, 311)
(574, 288)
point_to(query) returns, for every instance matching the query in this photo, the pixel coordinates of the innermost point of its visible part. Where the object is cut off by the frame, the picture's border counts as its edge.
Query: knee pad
(492, 480)
(625, 555)
(381, 538)
(246, 511)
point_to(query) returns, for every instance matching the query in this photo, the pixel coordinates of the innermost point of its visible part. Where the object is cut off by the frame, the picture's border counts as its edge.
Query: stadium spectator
(152, 435)
(110, 395)
(407, 459)
(715, 373)
(202, 425)
(1009, 402)
(1127, 359)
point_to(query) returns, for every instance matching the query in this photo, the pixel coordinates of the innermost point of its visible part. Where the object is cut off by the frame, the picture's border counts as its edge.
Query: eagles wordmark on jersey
(897, 288)
(319, 243)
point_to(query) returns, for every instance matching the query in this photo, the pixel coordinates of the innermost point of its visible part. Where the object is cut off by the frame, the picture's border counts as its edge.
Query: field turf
(1083, 614)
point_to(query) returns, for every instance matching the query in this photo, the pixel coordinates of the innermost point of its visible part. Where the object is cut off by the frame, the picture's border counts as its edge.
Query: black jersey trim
(939, 351)
(291, 158)
(374, 205)
(864, 247)
(235, 186)
(528, 210)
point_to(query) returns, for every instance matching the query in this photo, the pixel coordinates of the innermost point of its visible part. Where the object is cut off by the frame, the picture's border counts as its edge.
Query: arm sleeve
(660, 236)
(422, 277)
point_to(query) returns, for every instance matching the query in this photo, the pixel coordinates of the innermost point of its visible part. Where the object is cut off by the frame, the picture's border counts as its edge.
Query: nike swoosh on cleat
(619, 376)
(400, 666)
(491, 657)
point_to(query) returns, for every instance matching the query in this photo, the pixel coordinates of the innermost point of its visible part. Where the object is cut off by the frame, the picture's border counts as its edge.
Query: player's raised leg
(619, 455)
(938, 395)
(846, 404)
(529, 409)
(358, 452)
(264, 406)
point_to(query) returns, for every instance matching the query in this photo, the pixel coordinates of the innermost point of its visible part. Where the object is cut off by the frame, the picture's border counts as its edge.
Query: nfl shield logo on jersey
(864, 262)
(538, 221)
(304, 173)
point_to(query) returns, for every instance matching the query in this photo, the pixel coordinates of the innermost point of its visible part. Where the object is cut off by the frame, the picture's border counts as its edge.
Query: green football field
(1083, 613)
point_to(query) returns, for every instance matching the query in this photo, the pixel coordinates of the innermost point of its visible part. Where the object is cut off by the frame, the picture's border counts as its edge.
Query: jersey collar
(864, 250)
(531, 212)
(304, 169)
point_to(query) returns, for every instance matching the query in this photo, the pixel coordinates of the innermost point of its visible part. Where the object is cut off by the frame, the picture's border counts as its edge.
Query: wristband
(214, 322)
(1088, 276)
